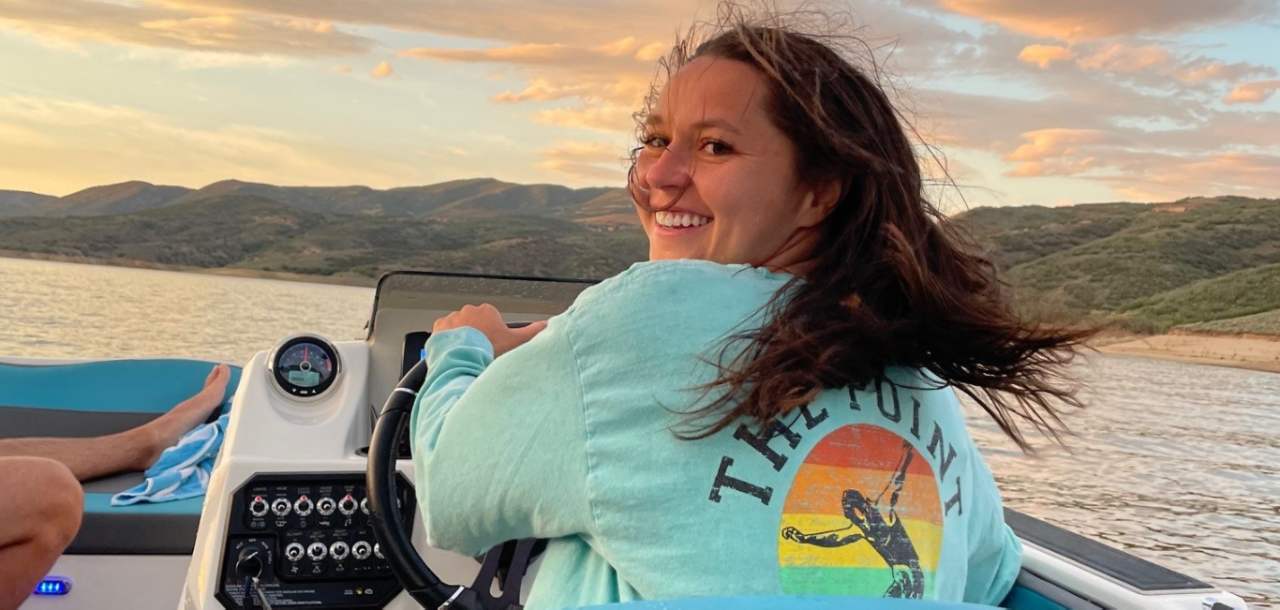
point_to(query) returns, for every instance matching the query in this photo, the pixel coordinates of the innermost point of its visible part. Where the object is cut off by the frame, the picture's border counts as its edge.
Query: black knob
(249, 563)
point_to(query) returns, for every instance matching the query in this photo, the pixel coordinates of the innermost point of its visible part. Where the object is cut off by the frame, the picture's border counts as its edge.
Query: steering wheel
(508, 562)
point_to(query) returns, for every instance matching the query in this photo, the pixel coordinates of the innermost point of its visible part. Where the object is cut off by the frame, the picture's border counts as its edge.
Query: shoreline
(358, 281)
(1245, 351)
(1251, 352)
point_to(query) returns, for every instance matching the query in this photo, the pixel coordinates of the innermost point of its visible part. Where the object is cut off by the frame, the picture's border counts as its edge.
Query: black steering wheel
(507, 562)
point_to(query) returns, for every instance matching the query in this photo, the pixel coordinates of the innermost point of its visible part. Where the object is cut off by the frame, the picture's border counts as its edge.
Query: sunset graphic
(863, 518)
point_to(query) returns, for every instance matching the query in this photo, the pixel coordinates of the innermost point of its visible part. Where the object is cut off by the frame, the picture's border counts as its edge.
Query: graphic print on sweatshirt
(863, 517)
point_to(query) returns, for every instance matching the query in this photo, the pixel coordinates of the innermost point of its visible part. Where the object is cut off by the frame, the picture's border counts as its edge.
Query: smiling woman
(822, 447)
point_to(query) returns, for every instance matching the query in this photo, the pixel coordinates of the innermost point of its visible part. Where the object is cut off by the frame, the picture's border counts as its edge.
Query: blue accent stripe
(133, 386)
(101, 503)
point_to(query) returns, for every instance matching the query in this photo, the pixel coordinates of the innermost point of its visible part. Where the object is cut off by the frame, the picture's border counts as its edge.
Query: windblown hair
(894, 282)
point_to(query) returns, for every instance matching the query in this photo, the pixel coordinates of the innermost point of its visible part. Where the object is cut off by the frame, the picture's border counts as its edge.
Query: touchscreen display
(415, 349)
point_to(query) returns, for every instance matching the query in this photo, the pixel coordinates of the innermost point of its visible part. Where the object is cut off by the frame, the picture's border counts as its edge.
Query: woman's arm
(499, 446)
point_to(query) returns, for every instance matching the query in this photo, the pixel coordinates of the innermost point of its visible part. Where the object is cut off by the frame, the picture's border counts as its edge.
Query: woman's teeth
(674, 220)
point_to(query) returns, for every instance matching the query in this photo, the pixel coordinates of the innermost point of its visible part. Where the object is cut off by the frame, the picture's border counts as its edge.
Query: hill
(18, 203)
(252, 232)
(481, 197)
(1234, 295)
(1145, 267)
(120, 198)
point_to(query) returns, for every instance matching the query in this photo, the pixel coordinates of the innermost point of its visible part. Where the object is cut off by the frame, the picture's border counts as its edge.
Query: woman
(767, 405)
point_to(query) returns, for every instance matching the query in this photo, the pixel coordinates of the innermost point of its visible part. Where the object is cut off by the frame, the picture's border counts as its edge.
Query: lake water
(1177, 463)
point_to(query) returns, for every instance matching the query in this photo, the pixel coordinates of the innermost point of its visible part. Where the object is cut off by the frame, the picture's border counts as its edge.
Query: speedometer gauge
(304, 366)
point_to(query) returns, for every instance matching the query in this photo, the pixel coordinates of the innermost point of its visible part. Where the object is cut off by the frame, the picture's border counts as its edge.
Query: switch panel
(318, 548)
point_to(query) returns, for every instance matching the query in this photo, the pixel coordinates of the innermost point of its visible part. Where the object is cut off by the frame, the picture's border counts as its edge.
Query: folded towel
(182, 470)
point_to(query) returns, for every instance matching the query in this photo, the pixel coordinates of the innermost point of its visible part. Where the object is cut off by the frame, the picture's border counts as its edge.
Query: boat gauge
(304, 366)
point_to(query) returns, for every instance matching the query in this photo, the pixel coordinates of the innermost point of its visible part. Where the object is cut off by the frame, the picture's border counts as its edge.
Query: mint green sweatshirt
(874, 491)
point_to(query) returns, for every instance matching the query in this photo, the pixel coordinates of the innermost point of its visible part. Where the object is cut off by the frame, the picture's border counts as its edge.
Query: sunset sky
(1030, 101)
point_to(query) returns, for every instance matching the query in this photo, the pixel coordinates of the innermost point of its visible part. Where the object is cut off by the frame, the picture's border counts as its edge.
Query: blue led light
(54, 585)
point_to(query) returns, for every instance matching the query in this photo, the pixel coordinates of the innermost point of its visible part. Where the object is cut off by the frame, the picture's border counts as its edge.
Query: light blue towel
(183, 470)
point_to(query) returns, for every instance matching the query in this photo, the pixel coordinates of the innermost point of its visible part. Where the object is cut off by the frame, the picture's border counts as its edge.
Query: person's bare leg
(40, 514)
(135, 449)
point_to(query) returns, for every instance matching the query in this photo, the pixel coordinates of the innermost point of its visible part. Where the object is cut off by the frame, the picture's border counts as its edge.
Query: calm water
(1177, 463)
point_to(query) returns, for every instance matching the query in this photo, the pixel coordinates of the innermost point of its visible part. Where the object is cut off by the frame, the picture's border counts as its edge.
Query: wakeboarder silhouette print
(863, 518)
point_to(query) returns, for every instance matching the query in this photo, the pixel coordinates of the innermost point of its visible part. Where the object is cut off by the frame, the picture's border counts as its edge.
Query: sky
(1020, 101)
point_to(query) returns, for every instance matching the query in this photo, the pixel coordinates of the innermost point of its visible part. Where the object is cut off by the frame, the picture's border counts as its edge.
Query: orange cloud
(1094, 19)
(1119, 58)
(382, 70)
(1055, 152)
(1043, 55)
(1252, 93)
(162, 25)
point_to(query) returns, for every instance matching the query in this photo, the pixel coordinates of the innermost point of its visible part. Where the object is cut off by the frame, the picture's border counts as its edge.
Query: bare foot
(164, 431)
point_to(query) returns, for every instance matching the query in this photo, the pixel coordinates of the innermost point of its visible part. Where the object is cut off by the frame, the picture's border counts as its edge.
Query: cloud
(586, 161)
(111, 143)
(1043, 55)
(1055, 152)
(1119, 58)
(343, 69)
(382, 70)
(608, 81)
(163, 26)
(1252, 93)
(1094, 19)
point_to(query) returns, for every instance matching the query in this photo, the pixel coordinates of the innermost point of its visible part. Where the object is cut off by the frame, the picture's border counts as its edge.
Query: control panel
(308, 543)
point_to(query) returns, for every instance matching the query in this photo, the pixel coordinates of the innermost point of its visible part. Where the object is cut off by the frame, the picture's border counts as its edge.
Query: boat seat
(85, 399)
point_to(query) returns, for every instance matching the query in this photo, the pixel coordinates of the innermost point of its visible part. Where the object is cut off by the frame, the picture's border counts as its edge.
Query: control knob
(303, 506)
(338, 550)
(258, 507)
(280, 507)
(361, 549)
(293, 552)
(325, 506)
(347, 505)
(317, 551)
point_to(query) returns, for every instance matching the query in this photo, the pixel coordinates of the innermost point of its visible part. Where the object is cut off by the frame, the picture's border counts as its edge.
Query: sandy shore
(1253, 352)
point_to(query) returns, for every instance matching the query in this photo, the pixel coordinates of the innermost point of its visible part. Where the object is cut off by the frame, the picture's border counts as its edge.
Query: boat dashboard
(287, 521)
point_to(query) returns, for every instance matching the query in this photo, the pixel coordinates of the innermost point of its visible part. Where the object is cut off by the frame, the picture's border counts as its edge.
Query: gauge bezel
(296, 392)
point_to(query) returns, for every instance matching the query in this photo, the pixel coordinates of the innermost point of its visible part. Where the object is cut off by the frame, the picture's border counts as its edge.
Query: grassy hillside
(1234, 295)
(1162, 249)
(214, 232)
(1266, 323)
(1018, 235)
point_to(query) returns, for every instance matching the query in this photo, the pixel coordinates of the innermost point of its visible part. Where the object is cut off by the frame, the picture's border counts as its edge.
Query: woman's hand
(486, 319)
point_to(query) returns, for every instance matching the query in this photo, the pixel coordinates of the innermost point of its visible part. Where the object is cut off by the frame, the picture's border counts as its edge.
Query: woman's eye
(655, 142)
(716, 148)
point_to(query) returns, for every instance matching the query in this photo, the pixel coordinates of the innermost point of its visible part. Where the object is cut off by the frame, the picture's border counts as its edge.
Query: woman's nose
(671, 170)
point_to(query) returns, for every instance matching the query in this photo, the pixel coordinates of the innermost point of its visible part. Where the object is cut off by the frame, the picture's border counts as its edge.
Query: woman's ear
(819, 202)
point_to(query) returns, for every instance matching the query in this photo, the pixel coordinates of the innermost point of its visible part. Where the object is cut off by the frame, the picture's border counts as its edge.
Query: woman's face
(711, 150)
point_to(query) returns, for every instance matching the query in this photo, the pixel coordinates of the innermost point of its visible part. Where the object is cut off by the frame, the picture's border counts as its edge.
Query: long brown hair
(894, 282)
